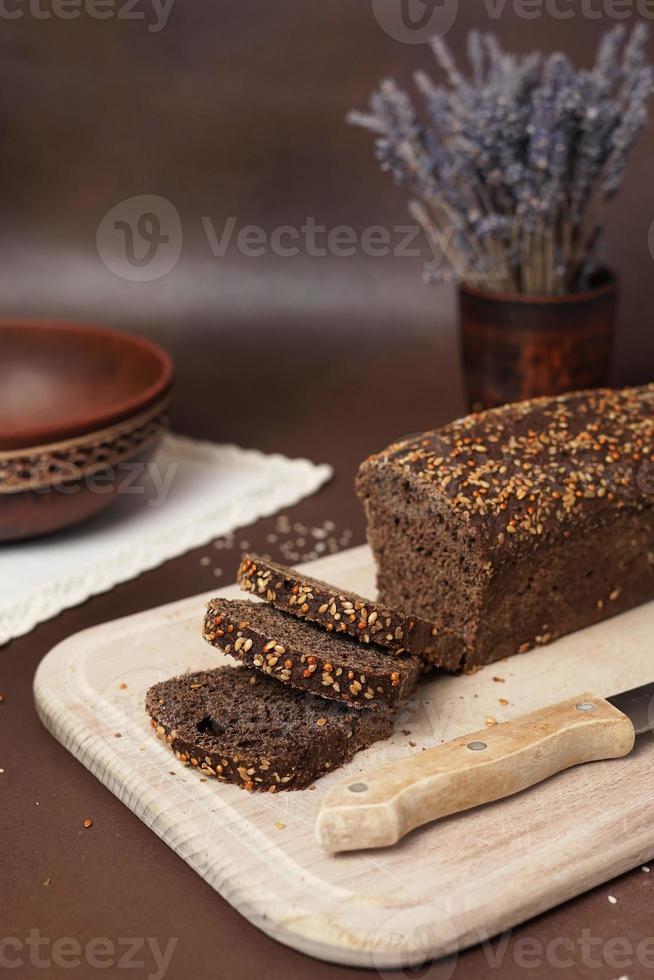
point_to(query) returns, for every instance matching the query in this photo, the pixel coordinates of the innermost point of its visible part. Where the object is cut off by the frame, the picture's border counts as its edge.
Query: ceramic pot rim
(608, 286)
(44, 434)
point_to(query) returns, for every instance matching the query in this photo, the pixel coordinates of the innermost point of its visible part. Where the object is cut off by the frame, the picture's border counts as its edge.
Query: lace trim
(287, 482)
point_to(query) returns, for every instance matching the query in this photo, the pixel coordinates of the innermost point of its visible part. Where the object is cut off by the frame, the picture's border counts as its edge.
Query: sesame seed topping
(537, 468)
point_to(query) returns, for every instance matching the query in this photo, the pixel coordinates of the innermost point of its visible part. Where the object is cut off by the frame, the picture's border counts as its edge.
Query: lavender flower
(509, 167)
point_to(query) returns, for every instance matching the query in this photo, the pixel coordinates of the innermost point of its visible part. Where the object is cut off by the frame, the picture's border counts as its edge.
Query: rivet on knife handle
(380, 807)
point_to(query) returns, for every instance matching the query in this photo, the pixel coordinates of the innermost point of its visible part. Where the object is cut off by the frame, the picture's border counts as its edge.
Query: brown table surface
(117, 879)
(237, 108)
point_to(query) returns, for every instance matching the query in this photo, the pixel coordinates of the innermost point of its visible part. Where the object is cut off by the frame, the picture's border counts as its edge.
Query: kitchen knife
(379, 808)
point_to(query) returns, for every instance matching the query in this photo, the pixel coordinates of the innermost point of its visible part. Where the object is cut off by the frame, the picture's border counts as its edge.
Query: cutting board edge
(305, 940)
(300, 931)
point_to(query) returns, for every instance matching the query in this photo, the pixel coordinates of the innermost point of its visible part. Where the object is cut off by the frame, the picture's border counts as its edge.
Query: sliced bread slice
(339, 611)
(299, 654)
(242, 727)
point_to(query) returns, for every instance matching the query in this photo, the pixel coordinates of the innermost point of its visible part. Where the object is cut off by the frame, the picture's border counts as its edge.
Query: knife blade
(638, 705)
(380, 807)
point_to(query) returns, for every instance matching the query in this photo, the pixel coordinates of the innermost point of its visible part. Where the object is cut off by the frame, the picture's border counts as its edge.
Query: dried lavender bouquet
(511, 166)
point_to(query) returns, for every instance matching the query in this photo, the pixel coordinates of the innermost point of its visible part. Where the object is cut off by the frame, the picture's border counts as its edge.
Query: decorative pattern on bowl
(47, 467)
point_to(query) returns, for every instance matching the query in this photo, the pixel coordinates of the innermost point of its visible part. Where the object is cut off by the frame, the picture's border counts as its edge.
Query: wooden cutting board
(446, 886)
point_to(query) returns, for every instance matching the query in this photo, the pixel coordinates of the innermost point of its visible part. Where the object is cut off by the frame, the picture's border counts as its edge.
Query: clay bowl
(77, 404)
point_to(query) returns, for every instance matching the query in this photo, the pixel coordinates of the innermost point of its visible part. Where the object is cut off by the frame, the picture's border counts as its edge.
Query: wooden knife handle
(380, 807)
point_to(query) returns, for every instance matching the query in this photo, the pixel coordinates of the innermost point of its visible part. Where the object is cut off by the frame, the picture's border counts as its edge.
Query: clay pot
(78, 405)
(521, 346)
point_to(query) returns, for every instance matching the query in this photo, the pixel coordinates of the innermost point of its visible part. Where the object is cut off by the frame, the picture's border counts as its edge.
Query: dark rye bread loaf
(241, 727)
(520, 524)
(296, 653)
(339, 611)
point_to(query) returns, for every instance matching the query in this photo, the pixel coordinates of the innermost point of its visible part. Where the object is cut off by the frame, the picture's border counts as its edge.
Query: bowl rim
(43, 434)
(607, 283)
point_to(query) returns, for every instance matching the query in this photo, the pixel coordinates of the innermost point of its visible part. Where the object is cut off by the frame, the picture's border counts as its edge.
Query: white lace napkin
(191, 493)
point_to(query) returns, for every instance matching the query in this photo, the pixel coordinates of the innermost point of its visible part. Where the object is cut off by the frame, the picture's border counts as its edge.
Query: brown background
(236, 108)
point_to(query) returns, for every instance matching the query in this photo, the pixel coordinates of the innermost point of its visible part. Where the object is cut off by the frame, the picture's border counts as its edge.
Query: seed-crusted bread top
(302, 655)
(530, 471)
(242, 727)
(339, 611)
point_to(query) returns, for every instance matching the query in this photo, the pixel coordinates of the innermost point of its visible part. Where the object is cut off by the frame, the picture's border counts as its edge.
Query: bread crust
(520, 524)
